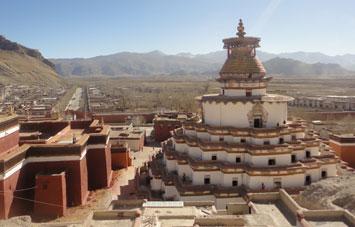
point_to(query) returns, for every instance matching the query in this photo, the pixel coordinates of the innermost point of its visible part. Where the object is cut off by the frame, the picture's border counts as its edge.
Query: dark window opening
(293, 137)
(272, 162)
(214, 157)
(248, 93)
(308, 180)
(234, 183)
(243, 140)
(222, 91)
(281, 140)
(278, 184)
(221, 139)
(207, 180)
(266, 142)
(258, 123)
(308, 154)
(324, 174)
(293, 158)
(238, 160)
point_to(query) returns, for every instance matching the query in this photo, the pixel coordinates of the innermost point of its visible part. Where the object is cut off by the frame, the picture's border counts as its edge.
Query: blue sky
(86, 28)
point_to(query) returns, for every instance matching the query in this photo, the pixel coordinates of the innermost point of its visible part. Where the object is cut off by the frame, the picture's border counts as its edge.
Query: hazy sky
(85, 28)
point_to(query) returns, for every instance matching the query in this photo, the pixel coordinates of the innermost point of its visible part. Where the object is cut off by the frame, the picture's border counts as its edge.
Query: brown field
(178, 93)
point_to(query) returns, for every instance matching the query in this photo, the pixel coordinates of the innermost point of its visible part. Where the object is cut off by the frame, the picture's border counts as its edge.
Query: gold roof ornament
(240, 29)
(241, 58)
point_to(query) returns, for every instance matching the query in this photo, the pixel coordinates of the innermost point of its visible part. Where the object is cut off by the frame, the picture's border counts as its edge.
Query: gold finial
(240, 29)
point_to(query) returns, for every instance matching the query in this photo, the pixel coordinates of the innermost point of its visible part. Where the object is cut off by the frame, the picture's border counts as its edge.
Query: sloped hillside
(19, 64)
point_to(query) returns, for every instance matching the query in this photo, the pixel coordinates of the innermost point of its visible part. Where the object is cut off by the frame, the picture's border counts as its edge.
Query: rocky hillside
(158, 63)
(19, 64)
(324, 194)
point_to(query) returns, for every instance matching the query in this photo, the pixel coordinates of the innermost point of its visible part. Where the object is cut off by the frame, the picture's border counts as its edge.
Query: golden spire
(240, 29)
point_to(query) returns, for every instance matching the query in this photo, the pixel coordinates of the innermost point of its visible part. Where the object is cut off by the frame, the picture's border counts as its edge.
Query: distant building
(344, 147)
(127, 134)
(165, 123)
(120, 155)
(329, 102)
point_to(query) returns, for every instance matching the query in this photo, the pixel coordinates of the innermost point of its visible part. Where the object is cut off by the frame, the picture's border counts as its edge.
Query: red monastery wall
(76, 177)
(99, 167)
(345, 153)
(162, 130)
(10, 202)
(9, 141)
(50, 195)
(120, 158)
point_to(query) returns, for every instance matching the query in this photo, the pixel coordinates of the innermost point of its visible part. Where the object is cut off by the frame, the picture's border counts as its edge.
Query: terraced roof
(242, 64)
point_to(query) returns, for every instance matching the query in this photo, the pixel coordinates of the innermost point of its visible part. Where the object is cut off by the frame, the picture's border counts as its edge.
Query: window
(293, 137)
(238, 160)
(281, 140)
(207, 179)
(235, 182)
(293, 158)
(266, 142)
(258, 123)
(214, 157)
(308, 180)
(277, 183)
(221, 139)
(324, 174)
(248, 93)
(242, 140)
(222, 91)
(272, 162)
(308, 154)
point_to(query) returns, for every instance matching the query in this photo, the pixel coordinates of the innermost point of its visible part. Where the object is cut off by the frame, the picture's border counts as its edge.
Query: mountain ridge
(159, 63)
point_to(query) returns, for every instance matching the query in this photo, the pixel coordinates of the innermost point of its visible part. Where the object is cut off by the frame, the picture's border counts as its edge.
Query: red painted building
(167, 122)
(344, 147)
(55, 184)
(120, 156)
(55, 167)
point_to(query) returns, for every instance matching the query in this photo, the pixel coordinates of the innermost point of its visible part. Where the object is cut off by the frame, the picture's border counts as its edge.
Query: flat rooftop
(67, 136)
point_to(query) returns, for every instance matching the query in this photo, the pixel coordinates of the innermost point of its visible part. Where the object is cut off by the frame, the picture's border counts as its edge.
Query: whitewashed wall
(235, 115)
(242, 92)
(156, 184)
(263, 160)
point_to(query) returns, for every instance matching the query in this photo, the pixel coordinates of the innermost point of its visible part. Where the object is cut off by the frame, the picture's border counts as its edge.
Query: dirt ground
(330, 193)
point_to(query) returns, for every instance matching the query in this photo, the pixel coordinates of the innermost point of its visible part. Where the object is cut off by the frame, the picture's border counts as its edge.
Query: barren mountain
(19, 64)
(158, 63)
